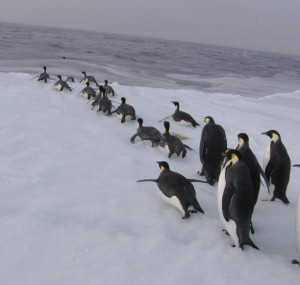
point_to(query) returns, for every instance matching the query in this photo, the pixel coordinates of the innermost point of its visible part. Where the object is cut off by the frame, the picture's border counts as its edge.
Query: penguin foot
(201, 173)
(233, 245)
(296, 262)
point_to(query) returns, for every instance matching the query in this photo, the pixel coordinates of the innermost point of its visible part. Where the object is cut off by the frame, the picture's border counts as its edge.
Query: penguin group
(236, 171)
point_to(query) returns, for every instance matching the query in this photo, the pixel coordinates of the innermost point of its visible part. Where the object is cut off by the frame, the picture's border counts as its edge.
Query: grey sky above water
(270, 25)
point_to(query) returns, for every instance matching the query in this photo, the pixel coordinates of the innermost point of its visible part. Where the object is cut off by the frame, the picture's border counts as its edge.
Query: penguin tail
(285, 200)
(251, 243)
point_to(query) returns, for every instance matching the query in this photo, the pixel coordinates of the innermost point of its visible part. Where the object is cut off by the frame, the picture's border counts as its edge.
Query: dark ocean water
(141, 61)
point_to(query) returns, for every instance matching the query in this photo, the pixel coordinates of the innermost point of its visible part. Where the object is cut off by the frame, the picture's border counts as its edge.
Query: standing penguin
(254, 168)
(183, 117)
(173, 144)
(108, 88)
(44, 76)
(61, 85)
(235, 199)
(213, 143)
(177, 190)
(277, 166)
(147, 133)
(125, 111)
(88, 92)
(297, 222)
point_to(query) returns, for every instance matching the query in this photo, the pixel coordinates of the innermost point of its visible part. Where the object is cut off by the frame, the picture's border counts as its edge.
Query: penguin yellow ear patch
(161, 168)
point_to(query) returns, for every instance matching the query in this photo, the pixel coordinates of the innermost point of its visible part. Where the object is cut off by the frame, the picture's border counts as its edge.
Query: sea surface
(142, 61)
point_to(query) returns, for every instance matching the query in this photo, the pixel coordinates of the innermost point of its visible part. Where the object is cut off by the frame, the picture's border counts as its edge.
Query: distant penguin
(88, 92)
(44, 76)
(182, 117)
(175, 189)
(235, 199)
(89, 78)
(147, 134)
(70, 79)
(213, 143)
(297, 222)
(173, 144)
(61, 85)
(125, 111)
(108, 88)
(277, 166)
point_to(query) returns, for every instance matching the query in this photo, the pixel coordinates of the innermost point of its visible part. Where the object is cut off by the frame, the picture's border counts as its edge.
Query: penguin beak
(296, 165)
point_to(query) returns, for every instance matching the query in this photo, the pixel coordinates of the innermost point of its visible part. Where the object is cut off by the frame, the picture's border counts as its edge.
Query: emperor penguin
(277, 166)
(70, 79)
(297, 221)
(147, 134)
(88, 92)
(90, 78)
(61, 85)
(108, 88)
(177, 190)
(254, 167)
(173, 144)
(213, 143)
(183, 118)
(105, 105)
(125, 111)
(44, 76)
(236, 199)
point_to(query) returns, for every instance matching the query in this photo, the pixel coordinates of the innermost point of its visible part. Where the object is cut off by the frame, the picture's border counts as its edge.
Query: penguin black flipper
(226, 202)
(196, 180)
(148, 180)
(188, 147)
(262, 173)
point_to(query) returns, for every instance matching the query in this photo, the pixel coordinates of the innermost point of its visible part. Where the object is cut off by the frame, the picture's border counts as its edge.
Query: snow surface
(71, 211)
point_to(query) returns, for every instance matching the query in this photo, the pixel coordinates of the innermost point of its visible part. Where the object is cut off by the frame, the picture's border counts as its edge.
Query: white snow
(71, 211)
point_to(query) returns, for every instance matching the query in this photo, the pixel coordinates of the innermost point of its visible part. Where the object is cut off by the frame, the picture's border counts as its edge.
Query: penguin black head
(59, 77)
(123, 99)
(44, 67)
(101, 88)
(272, 134)
(232, 154)
(105, 81)
(176, 104)
(163, 165)
(84, 73)
(167, 126)
(244, 137)
(208, 119)
(87, 82)
(140, 121)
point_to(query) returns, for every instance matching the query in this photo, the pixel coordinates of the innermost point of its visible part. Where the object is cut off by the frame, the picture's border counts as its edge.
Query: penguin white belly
(174, 201)
(127, 118)
(84, 95)
(298, 221)
(231, 225)
(267, 155)
(184, 123)
(164, 149)
(57, 87)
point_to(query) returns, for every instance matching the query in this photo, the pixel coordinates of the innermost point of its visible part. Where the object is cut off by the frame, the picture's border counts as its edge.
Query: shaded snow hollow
(71, 211)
